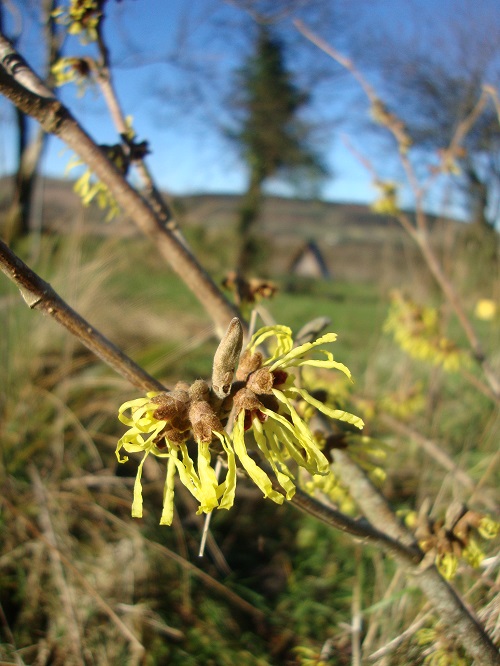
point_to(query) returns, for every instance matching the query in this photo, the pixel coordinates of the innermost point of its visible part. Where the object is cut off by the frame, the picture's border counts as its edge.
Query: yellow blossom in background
(442, 654)
(185, 426)
(333, 489)
(387, 201)
(416, 329)
(488, 528)
(72, 70)
(89, 189)
(447, 565)
(453, 538)
(473, 554)
(82, 18)
(403, 404)
(486, 309)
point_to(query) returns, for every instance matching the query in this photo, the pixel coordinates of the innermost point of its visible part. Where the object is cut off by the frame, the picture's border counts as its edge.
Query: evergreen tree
(274, 141)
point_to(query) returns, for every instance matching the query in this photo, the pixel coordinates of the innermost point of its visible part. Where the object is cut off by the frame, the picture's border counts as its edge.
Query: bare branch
(19, 84)
(420, 232)
(460, 620)
(39, 295)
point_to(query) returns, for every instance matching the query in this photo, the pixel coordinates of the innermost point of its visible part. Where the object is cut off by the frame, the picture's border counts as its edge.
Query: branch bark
(459, 620)
(20, 84)
(420, 233)
(39, 295)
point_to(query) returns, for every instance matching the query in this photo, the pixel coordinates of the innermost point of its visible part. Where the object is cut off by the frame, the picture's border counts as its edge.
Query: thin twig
(39, 295)
(356, 622)
(359, 529)
(430, 447)
(20, 84)
(104, 80)
(459, 619)
(420, 232)
(396, 642)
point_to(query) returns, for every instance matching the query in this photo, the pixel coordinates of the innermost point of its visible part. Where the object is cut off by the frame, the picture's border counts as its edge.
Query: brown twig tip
(226, 359)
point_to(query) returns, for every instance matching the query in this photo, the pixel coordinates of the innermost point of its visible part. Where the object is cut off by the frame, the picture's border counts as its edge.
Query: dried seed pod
(226, 359)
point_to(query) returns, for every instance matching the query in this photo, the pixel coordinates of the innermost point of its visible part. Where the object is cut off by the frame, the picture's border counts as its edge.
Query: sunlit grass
(58, 425)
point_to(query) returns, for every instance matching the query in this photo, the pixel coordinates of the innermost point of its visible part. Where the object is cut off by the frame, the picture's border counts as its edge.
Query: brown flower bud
(203, 421)
(248, 363)
(260, 381)
(171, 404)
(175, 436)
(199, 391)
(247, 400)
(226, 359)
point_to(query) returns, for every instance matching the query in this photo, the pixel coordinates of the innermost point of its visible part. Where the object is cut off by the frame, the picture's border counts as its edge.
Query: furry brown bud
(226, 359)
(261, 381)
(170, 405)
(248, 363)
(247, 400)
(199, 391)
(203, 421)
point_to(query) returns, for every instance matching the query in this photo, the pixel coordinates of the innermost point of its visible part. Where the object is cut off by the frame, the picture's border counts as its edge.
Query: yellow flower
(473, 554)
(447, 564)
(387, 201)
(486, 309)
(488, 528)
(416, 330)
(186, 423)
(163, 438)
(82, 18)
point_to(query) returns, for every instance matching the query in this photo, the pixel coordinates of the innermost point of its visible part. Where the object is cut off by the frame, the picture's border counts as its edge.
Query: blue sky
(150, 40)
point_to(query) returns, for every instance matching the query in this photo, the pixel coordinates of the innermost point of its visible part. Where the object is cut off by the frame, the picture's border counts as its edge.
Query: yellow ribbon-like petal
(284, 477)
(137, 502)
(339, 414)
(283, 335)
(167, 514)
(228, 486)
(297, 352)
(258, 476)
(207, 478)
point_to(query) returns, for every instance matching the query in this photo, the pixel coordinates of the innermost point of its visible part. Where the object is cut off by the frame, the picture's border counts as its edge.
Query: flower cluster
(403, 403)
(439, 651)
(416, 330)
(89, 188)
(446, 541)
(257, 395)
(72, 70)
(82, 18)
(386, 202)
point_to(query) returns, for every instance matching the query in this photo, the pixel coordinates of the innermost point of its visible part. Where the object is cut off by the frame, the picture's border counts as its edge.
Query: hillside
(355, 243)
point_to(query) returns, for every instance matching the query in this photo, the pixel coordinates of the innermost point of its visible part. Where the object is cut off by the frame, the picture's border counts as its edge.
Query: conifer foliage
(273, 139)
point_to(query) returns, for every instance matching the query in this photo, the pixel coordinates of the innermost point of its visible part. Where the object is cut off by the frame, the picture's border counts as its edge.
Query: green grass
(356, 312)
(58, 413)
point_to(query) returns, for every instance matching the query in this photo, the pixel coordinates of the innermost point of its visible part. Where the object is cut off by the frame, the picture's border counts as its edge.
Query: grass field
(287, 582)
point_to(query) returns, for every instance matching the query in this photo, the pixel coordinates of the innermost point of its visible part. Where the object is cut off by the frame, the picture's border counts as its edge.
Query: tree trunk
(249, 214)
(29, 154)
(478, 194)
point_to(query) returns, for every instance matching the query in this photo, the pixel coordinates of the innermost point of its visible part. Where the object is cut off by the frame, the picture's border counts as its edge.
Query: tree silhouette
(273, 139)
